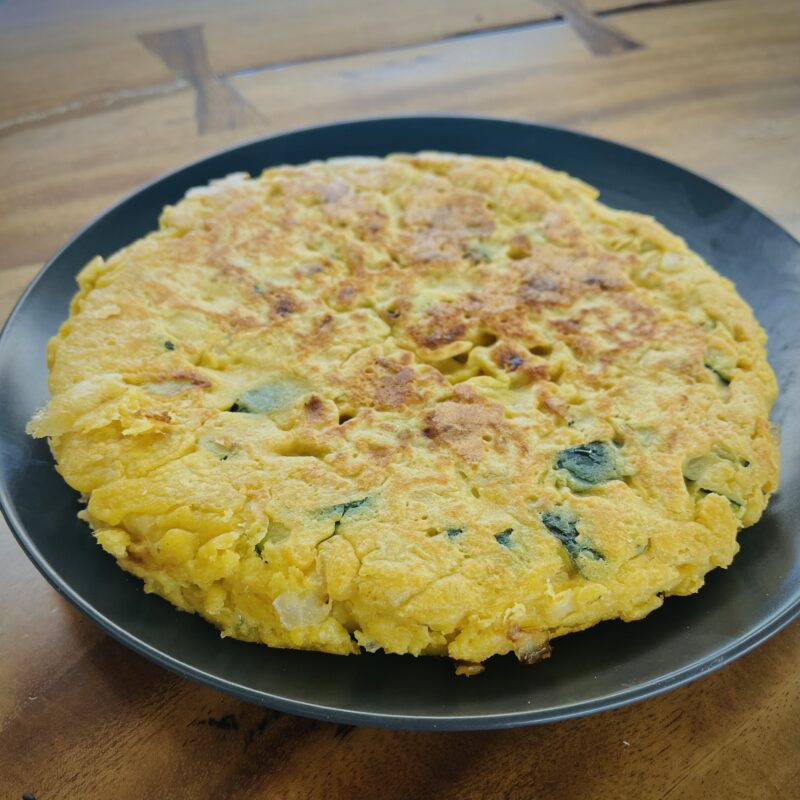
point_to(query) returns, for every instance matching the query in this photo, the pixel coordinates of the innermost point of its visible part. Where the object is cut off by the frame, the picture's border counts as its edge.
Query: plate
(610, 665)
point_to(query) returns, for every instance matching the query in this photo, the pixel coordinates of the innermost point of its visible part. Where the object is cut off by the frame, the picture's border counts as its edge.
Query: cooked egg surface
(426, 404)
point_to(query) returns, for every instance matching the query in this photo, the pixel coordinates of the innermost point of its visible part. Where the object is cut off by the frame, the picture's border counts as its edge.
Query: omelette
(427, 404)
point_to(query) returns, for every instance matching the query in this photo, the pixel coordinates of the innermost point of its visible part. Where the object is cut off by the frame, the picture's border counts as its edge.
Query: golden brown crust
(430, 404)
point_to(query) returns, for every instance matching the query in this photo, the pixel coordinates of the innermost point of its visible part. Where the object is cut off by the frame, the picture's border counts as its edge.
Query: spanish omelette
(429, 404)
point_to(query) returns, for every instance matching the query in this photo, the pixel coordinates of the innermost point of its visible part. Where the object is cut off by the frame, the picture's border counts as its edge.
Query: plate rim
(721, 656)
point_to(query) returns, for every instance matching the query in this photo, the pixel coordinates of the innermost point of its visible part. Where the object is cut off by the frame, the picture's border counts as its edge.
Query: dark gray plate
(608, 666)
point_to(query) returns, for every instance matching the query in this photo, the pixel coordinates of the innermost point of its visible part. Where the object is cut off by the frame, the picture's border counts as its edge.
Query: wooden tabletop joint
(218, 105)
(599, 35)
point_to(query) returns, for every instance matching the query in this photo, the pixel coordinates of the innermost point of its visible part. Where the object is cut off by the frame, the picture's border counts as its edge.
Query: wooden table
(96, 98)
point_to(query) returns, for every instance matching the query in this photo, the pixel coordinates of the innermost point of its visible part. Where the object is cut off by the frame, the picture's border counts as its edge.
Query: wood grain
(65, 57)
(714, 86)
